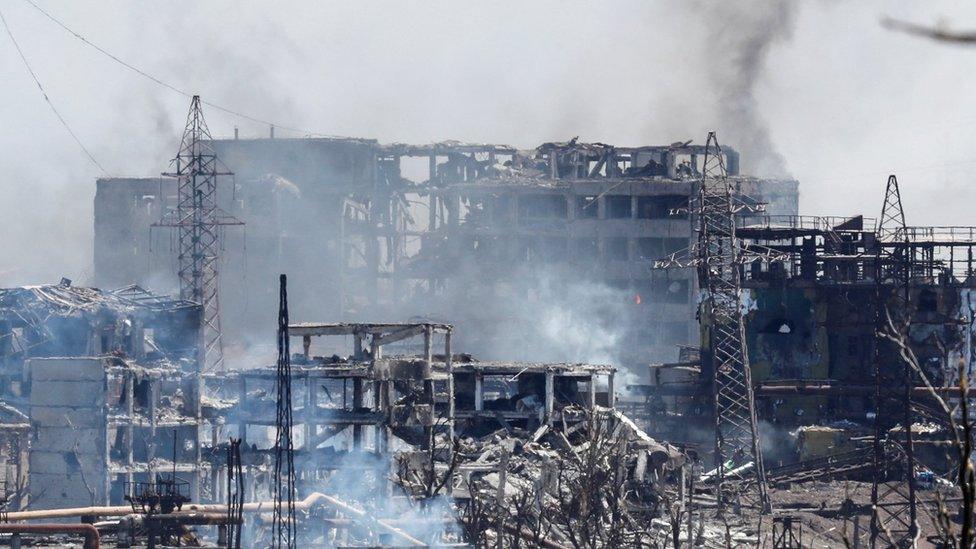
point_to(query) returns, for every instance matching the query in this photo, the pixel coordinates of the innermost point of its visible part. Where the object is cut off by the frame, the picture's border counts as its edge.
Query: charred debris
(819, 398)
(399, 440)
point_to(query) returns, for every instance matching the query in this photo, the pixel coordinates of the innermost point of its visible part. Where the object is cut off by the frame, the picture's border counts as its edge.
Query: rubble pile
(597, 483)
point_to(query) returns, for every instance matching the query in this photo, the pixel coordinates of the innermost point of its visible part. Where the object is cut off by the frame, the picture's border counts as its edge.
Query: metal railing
(809, 222)
(934, 235)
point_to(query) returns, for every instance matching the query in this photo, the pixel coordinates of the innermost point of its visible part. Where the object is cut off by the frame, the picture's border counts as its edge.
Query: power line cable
(46, 98)
(164, 84)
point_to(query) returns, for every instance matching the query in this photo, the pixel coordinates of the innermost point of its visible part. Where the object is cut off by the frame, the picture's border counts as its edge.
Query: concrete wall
(68, 466)
(125, 208)
(288, 192)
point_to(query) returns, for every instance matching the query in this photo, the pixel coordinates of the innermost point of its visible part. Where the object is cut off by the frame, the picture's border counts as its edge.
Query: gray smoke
(739, 38)
(542, 313)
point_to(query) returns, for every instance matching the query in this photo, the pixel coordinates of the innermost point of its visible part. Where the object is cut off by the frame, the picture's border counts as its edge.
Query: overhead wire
(217, 106)
(47, 98)
(165, 84)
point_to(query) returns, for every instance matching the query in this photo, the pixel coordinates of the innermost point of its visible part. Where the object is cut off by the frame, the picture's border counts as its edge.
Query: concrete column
(550, 396)
(449, 362)
(429, 384)
(357, 403)
(310, 410)
(455, 213)
(592, 392)
(387, 396)
(379, 406)
(130, 395)
(479, 391)
(241, 401)
(216, 491)
(375, 350)
(153, 411)
(431, 212)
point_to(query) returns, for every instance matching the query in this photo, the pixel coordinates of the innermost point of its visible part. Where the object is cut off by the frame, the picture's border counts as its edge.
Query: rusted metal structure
(235, 495)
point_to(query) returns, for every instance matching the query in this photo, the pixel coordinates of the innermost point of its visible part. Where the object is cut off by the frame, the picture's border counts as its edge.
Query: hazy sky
(844, 100)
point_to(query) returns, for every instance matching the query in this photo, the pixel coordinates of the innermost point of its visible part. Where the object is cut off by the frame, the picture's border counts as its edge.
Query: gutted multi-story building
(541, 253)
(108, 380)
(516, 239)
(100, 425)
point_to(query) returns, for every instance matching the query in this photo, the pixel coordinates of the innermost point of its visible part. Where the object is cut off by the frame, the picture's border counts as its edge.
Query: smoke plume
(739, 39)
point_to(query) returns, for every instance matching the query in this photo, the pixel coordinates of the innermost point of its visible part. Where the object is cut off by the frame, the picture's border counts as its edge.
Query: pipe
(123, 510)
(310, 502)
(381, 523)
(71, 512)
(313, 500)
(92, 539)
(191, 518)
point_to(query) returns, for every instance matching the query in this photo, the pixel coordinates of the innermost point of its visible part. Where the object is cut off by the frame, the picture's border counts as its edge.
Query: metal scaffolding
(198, 221)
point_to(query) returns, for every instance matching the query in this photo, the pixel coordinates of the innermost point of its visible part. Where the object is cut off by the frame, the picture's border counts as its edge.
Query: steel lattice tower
(894, 520)
(198, 220)
(284, 527)
(719, 273)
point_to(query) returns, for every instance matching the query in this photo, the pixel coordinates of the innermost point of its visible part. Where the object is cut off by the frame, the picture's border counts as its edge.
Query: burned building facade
(399, 383)
(490, 237)
(106, 380)
(116, 406)
(812, 323)
(398, 412)
(548, 226)
(63, 320)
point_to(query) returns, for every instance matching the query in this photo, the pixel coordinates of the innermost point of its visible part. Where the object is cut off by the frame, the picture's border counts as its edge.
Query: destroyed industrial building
(815, 393)
(466, 233)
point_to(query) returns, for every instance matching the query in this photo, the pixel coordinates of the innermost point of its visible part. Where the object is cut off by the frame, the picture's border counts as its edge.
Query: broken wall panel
(68, 463)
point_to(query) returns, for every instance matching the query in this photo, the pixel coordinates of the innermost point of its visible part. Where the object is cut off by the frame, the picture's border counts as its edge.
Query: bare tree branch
(938, 32)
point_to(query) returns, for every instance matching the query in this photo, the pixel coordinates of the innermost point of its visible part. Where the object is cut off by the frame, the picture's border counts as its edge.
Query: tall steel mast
(198, 221)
